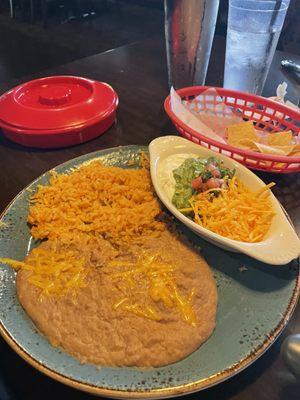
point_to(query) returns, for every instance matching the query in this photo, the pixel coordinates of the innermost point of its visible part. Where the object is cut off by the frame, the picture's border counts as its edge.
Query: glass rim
(284, 6)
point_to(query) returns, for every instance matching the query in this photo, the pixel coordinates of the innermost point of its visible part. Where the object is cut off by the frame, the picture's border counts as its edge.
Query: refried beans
(88, 327)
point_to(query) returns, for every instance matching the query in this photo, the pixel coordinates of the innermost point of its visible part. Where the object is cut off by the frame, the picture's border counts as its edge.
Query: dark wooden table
(138, 73)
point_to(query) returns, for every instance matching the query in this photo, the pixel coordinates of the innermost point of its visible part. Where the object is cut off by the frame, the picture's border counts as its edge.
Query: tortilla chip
(295, 151)
(289, 150)
(238, 132)
(245, 136)
(276, 150)
(247, 144)
(280, 138)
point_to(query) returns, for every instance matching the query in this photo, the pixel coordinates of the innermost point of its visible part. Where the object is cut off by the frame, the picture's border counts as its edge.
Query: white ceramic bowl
(280, 246)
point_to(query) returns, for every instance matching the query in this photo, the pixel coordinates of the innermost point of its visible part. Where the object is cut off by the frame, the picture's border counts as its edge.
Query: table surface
(138, 74)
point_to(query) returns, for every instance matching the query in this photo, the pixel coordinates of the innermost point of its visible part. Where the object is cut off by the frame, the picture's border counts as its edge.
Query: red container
(57, 111)
(268, 114)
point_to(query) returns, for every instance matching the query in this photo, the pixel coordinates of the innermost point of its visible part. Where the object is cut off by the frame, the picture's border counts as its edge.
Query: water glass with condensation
(254, 27)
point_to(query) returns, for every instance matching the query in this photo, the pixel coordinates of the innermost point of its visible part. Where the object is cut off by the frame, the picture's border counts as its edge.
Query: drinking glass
(189, 28)
(253, 31)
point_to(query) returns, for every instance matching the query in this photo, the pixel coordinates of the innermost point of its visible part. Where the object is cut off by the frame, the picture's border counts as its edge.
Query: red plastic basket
(250, 107)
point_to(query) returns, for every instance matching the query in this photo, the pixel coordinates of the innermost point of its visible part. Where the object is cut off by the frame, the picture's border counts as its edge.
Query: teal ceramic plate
(255, 303)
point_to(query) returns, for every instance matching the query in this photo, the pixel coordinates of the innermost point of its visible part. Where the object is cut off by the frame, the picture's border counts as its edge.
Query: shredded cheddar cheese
(236, 213)
(146, 283)
(53, 273)
(115, 203)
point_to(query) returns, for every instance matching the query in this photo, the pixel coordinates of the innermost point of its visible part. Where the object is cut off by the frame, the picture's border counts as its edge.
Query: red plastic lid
(56, 104)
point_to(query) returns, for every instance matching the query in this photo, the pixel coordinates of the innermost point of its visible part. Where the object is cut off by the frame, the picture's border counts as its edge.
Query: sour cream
(166, 168)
